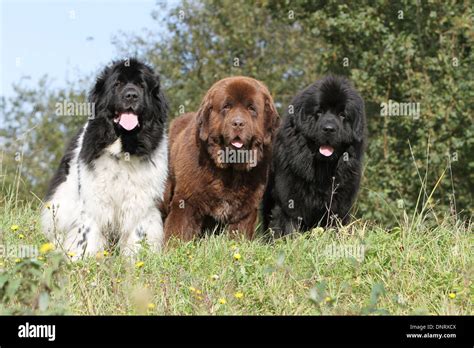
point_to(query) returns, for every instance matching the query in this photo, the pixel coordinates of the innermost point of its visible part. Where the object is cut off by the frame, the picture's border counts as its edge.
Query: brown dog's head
(236, 122)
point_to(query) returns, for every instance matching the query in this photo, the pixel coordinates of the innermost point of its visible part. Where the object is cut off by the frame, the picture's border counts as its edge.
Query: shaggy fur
(317, 160)
(114, 171)
(205, 189)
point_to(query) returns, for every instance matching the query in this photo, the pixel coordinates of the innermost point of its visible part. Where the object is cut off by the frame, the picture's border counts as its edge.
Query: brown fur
(202, 191)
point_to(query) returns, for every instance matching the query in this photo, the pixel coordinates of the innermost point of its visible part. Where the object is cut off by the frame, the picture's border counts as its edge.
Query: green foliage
(26, 287)
(34, 137)
(377, 291)
(423, 55)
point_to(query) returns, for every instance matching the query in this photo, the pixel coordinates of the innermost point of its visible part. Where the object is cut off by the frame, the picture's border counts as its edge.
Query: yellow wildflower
(151, 306)
(237, 256)
(21, 236)
(222, 301)
(452, 295)
(239, 295)
(46, 248)
(14, 228)
(101, 254)
(71, 254)
(139, 264)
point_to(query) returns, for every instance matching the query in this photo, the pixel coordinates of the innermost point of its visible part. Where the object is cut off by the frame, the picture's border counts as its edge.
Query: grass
(422, 268)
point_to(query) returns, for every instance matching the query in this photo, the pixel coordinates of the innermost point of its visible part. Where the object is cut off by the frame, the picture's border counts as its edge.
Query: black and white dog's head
(130, 105)
(330, 114)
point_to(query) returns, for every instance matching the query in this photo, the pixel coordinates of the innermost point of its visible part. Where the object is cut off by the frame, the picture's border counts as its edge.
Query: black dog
(317, 158)
(113, 173)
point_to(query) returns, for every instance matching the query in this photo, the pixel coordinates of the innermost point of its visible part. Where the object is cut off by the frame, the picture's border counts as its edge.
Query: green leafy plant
(28, 285)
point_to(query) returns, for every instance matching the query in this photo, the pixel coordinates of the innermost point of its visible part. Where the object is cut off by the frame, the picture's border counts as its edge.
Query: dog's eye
(342, 115)
(252, 110)
(226, 107)
(319, 113)
(117, 83)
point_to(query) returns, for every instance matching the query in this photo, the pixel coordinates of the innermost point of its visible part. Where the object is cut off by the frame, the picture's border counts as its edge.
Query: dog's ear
(202, 118)
(154, 84)
(158, 97)
(98, 90)
(357, 113)
(300, 117)
(98, 95)
(297, 112)
(272, 119)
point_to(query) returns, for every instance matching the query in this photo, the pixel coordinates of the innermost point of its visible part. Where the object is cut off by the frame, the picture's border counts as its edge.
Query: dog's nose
(329, 128)
(238, 123)
(130, 95)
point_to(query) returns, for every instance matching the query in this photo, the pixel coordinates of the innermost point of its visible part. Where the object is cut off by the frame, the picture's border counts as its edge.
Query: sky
(64, 39)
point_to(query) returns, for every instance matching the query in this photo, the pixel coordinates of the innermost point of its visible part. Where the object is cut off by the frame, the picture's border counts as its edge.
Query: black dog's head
(129, 104)
(330, 114)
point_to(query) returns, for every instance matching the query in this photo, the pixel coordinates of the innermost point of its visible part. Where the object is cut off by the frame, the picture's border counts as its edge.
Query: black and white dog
(112, 177)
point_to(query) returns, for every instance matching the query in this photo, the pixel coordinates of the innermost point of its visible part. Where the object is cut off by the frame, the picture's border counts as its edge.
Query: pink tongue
(237, 144)
(128, 121)
(326, 150)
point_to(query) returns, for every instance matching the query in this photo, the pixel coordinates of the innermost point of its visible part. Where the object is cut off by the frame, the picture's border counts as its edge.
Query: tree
(33, 137)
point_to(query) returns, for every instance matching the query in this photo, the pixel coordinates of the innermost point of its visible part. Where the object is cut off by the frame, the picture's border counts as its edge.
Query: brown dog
(219, 160)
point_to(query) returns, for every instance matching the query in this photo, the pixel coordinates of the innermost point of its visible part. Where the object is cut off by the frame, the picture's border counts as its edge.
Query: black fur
(63, 169)
(151, 108)
(304, 184)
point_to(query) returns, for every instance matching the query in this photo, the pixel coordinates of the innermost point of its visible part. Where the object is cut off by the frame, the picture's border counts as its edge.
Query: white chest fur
(125, 184)
(118, 193)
